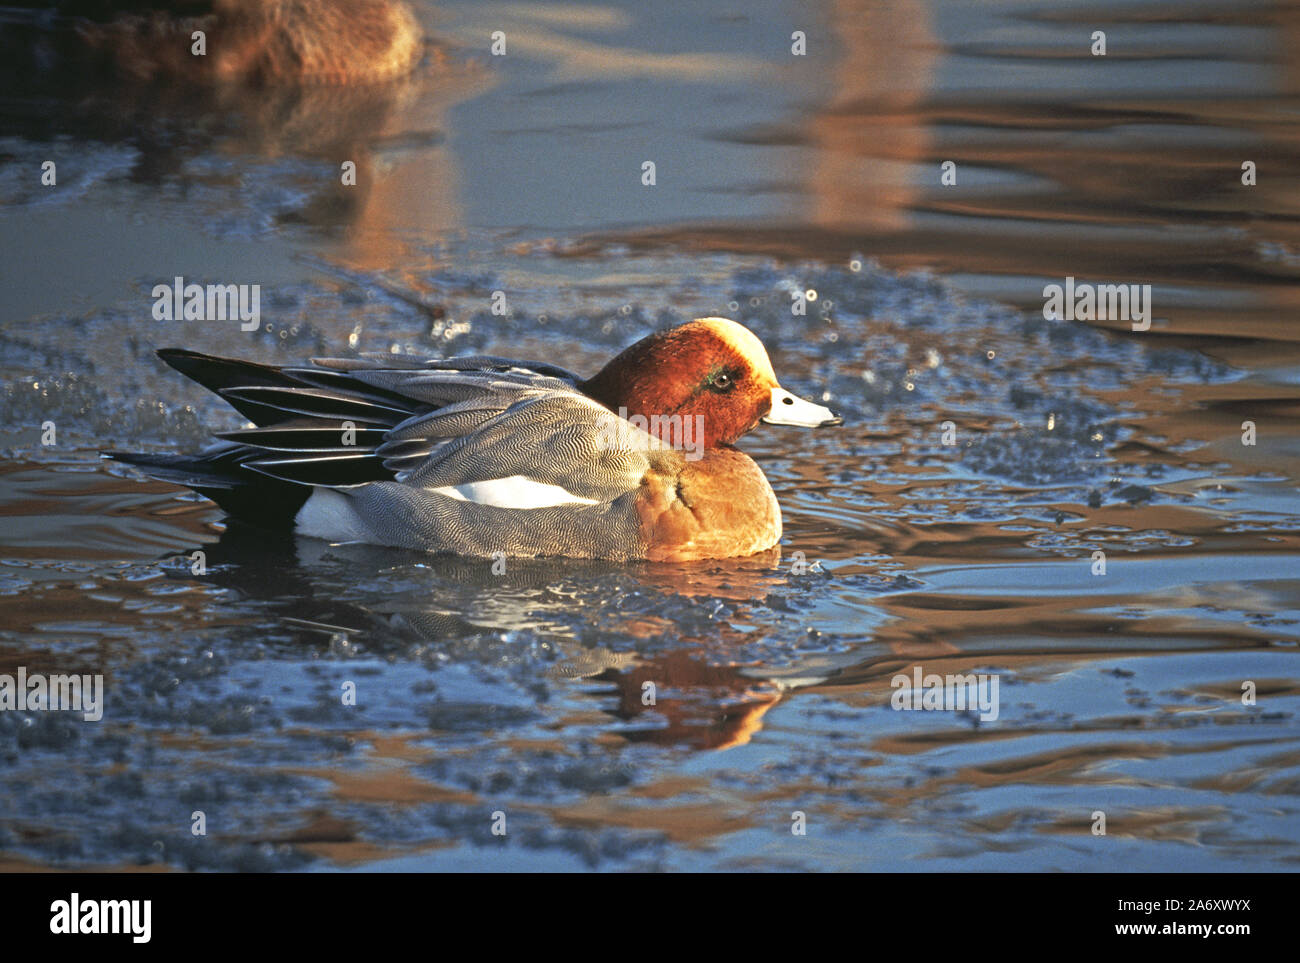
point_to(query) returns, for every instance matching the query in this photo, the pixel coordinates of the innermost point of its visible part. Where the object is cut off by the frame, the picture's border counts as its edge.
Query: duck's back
(245, 41)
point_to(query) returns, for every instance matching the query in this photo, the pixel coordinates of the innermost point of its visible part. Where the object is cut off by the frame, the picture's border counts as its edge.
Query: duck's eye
(722, 381)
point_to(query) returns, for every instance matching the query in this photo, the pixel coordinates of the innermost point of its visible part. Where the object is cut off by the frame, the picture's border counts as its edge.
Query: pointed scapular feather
(316, 403)
(306, 438)
(327, 471)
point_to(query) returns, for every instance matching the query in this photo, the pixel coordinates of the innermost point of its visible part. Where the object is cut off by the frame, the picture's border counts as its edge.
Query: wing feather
(558, 437)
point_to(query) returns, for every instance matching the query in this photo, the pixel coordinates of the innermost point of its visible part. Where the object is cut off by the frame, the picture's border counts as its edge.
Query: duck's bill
(788, 409)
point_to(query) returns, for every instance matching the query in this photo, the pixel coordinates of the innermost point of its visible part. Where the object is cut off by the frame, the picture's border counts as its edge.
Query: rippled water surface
(522, 692)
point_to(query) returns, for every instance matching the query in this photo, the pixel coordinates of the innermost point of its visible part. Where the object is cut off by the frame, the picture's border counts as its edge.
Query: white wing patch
(517, 491)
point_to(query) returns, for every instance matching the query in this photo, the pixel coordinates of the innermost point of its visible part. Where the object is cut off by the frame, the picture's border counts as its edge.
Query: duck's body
(485, 456)
(243, 41)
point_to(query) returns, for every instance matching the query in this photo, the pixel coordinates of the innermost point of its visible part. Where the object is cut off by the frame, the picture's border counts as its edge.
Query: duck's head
(712, 368)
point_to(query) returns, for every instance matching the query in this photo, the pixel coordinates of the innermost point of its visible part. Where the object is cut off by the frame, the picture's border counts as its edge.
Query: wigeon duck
(246, 41)
(483, 456)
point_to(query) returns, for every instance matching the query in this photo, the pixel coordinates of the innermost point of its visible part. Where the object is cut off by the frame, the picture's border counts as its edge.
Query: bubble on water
(855, 265)
(733, 306)
(810, 294)
(932, 358)
(991, 354)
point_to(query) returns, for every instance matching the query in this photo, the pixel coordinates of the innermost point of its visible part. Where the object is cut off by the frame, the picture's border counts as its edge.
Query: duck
(491, 457)
(255, 42)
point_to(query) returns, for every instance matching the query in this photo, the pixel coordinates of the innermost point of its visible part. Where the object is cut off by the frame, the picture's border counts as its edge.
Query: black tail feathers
(217, 474)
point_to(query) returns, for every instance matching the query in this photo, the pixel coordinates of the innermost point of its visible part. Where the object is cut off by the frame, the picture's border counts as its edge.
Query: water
(522, 692)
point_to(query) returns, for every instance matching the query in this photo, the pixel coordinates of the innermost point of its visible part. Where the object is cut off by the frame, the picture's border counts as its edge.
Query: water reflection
(218, 138)
(698, 696)
(1068, 165)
